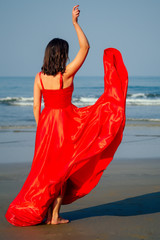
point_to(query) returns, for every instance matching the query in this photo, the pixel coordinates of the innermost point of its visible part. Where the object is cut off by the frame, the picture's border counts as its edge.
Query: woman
(73, 145)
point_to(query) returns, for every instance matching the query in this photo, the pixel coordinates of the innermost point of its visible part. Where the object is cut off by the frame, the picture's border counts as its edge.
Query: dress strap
(41, 80)
(61, 81)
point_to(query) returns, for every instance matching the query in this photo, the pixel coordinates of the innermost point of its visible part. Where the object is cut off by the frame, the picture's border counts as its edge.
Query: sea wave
(17, 101)
(144, 95)
(143, 99)
(84, 101)
(135, 99)
(143, 102)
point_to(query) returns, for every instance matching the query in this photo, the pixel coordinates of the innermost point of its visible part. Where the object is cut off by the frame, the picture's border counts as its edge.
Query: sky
(131, 26)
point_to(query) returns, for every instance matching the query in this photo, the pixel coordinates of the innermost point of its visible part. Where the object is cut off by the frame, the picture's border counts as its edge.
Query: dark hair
(55, 57)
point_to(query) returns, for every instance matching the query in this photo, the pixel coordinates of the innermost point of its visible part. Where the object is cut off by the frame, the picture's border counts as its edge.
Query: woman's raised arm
(73, 67)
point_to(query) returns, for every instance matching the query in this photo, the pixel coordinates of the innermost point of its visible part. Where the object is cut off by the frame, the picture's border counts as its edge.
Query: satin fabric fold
(73, 145)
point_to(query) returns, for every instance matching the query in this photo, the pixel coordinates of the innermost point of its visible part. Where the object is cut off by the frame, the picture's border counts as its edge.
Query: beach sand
(124, 205)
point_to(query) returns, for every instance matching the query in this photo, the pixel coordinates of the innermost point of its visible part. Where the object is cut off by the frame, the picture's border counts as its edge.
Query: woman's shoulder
(37, 79)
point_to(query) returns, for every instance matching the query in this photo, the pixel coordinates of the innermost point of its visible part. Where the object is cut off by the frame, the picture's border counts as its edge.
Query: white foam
(18, 101)
(138, 99)
(143, 102)
(137, 95)
(88, 99)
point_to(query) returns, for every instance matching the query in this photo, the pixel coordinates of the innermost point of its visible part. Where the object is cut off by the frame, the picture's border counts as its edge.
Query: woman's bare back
(53, 82)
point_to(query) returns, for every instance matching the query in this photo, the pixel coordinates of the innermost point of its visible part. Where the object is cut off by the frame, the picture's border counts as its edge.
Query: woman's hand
(75, 14)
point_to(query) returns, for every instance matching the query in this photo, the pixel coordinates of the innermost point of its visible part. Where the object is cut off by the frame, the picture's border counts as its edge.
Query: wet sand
(124, 205)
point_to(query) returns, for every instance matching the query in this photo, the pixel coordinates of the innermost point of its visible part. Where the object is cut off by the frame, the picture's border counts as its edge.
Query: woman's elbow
(87, 46)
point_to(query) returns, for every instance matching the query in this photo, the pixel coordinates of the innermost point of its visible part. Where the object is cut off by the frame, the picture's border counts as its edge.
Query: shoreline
(129, 123)
(140, 141)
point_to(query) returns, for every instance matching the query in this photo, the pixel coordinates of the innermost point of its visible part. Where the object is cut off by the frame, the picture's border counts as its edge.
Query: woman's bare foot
(55, 217)
(59, 220)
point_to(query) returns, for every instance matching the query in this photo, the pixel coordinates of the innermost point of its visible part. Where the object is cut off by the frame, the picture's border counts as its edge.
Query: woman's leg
(56, 219)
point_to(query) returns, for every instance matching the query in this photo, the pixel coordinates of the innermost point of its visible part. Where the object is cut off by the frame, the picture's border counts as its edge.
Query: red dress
(72, 144)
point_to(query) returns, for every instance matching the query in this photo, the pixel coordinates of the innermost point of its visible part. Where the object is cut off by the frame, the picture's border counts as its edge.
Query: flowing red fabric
(73, 145)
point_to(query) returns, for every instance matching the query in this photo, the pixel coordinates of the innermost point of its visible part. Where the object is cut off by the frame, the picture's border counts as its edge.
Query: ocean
(16, 98)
